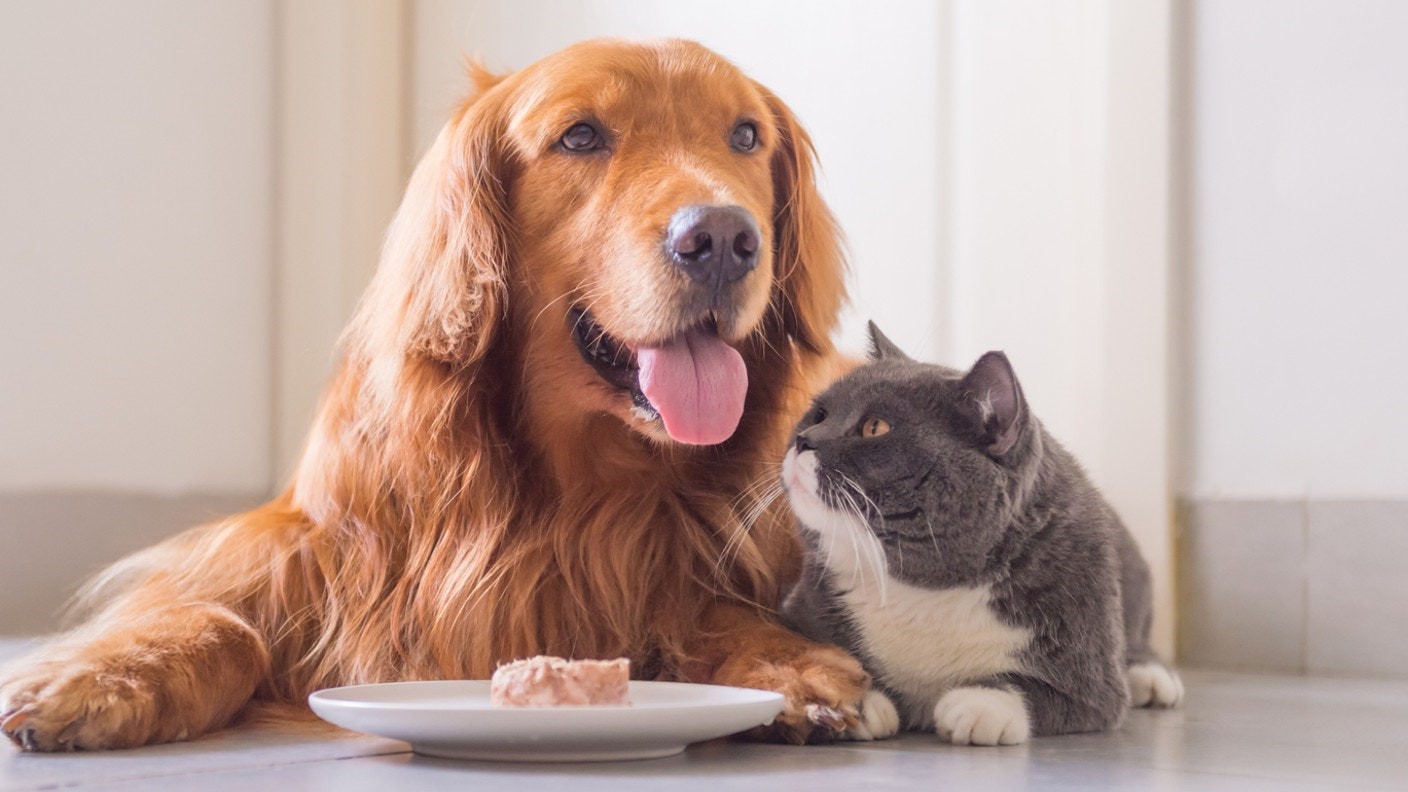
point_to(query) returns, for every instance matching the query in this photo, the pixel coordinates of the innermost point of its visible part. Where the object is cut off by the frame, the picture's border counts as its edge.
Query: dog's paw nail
(13, 720)
(829, 717)
(27, 741)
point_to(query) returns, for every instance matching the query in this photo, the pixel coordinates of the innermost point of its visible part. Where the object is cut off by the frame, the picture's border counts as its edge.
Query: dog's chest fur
(923, 642)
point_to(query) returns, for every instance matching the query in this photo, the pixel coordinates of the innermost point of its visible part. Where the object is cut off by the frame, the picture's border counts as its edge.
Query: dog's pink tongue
(697, 384)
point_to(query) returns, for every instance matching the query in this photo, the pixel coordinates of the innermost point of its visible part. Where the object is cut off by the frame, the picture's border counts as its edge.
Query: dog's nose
(713, 244)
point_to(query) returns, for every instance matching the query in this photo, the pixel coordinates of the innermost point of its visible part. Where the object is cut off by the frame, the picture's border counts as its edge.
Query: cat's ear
(882, 348)
(991, 398)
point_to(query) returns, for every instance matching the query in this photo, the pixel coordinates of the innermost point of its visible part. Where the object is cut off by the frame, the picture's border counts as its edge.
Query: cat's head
(912, 463)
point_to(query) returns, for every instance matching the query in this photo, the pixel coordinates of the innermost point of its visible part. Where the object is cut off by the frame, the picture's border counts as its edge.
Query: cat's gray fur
(967, 492)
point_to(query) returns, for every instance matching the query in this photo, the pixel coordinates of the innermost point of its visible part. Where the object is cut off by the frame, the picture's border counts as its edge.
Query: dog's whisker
(533, 323)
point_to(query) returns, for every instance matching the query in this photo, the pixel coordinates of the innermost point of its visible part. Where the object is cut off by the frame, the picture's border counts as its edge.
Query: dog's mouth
(694, 383)
(614, 361)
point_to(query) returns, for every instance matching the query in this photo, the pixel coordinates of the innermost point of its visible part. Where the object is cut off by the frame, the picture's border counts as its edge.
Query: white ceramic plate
(455, 720)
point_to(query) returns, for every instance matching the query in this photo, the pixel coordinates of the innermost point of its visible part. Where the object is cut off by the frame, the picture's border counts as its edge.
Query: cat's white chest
(926, 642)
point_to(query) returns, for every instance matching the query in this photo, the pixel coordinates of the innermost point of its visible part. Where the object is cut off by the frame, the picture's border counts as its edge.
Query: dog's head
(638, 221)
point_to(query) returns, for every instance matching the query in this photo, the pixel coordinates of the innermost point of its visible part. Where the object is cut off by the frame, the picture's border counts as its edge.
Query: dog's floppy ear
(439, 290)
(810, 264)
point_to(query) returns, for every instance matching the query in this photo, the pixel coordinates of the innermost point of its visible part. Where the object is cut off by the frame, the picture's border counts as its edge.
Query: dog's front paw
(823, 687)
(1154, 685)
(67, 706)
(982, 716)
(878, 719)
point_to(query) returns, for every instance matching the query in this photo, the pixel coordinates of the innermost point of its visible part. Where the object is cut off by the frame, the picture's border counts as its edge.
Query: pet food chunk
(554, 682)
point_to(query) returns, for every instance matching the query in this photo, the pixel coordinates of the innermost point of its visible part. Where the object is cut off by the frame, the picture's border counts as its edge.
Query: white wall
(342, 121)
(1028, 191)
(864, 78)
(1298, 235)
(162, 115)
(135, 245)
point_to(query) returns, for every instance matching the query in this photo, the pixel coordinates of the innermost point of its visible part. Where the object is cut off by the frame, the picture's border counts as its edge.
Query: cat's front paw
(982, 716)
(878, 719)
(1154, 685)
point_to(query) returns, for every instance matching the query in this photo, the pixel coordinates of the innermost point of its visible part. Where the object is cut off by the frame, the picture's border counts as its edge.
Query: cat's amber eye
(874, 427)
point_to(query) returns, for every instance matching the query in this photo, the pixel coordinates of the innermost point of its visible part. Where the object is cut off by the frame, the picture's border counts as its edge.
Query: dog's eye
(582, 137)
(874, 427)
(744, 137)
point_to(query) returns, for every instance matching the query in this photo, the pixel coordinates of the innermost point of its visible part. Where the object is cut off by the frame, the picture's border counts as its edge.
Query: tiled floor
(1237, 731)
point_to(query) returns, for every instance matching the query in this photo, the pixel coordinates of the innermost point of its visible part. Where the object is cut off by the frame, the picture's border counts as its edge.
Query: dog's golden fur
(472, 491)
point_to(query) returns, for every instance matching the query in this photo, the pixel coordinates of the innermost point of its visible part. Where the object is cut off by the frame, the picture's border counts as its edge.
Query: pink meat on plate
(554, 682)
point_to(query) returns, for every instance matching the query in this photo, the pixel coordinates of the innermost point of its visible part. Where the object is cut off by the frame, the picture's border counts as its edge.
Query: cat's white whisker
(856, 577)
(767, 488)
(875, 555)
(857, 569)
(863, 515)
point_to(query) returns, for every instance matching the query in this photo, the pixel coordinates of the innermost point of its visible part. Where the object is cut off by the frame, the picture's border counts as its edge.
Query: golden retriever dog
(555, 428)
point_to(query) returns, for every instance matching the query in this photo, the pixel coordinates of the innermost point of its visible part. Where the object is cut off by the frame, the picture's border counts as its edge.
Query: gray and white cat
(963, 556)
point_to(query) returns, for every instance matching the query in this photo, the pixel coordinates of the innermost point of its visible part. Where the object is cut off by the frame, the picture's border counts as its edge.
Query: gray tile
(1236, 731)
(1358, 595)
(260, 746)
(1241, 584)
(14, 646)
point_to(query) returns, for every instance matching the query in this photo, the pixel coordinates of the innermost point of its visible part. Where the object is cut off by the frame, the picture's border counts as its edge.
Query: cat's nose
(803, 443)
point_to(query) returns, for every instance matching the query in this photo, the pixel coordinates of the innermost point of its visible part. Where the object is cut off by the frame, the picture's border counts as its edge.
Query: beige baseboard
(50, 542)
(1309, 586)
